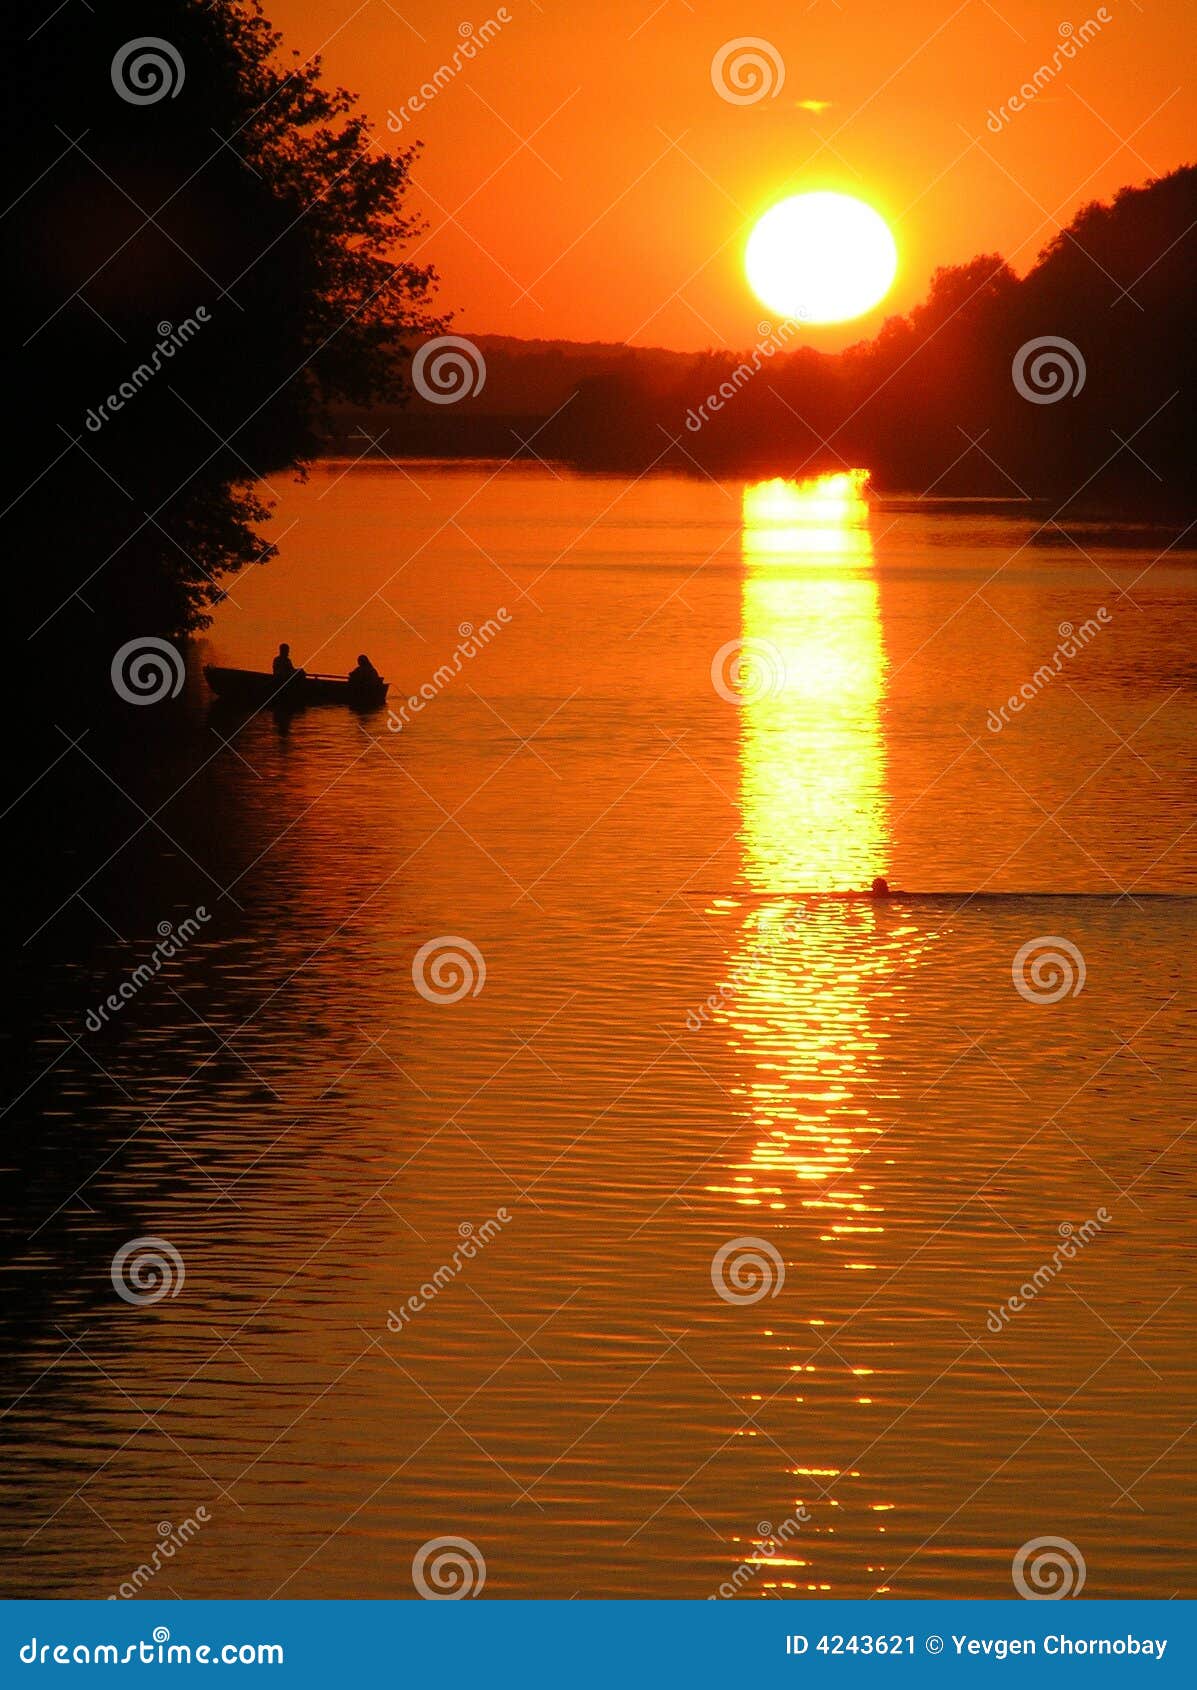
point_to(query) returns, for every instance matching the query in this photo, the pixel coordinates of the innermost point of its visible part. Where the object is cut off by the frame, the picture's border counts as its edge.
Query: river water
(543, 1150)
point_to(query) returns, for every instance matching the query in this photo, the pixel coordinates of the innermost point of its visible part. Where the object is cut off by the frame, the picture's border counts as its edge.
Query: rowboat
(252, 689)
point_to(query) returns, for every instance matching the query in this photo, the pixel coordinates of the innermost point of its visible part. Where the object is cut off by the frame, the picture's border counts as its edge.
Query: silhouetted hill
(1076, 379)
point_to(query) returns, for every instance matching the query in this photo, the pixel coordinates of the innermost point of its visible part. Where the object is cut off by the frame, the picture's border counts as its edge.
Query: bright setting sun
(821, 258)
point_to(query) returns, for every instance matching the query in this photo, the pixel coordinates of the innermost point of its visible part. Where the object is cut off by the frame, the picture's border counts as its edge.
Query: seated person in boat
(282, 668)
(364, 675)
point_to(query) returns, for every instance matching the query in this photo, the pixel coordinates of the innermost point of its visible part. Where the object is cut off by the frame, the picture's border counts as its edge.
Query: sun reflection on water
(813, 819)
(813, 770)
(806, 1011)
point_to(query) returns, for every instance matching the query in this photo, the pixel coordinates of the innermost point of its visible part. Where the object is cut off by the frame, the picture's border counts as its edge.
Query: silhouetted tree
(209, 236)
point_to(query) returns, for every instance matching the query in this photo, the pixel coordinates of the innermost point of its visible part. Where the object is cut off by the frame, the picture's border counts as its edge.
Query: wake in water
(902, 895)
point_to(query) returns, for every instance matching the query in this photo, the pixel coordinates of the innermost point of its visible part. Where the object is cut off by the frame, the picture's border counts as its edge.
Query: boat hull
(250, 689)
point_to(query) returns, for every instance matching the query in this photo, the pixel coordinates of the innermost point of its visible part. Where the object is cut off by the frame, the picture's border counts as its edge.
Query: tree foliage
(248, 209)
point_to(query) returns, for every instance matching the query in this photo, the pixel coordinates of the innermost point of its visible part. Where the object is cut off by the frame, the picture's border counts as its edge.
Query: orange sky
(582, 178)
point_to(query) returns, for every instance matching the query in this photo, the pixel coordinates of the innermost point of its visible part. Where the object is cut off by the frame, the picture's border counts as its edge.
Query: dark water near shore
(623, 805)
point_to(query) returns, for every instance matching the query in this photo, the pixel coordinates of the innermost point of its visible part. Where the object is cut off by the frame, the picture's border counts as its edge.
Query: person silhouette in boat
(364, 677)
(282, 668)
(879, 888)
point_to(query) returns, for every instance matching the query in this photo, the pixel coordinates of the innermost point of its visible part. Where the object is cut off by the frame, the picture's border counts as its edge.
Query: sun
(821, 258)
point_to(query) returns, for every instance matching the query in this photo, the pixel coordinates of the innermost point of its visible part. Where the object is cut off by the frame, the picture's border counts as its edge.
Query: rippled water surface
(695, 1193)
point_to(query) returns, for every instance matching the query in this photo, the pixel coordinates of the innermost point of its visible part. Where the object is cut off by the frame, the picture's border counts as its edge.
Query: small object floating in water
(880, 887)
(252, 689)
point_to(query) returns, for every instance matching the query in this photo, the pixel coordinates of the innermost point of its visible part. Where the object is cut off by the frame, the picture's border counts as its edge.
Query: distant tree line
(1116, 287)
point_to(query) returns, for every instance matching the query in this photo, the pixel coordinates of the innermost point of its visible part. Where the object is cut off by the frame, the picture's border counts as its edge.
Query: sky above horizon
(583, 178)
